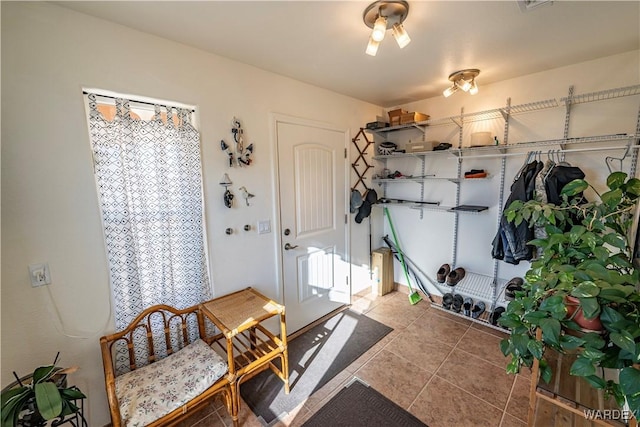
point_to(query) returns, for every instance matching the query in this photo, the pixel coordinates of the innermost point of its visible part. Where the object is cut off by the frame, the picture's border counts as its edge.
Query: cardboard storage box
(418, 147)
(413, 117)
(394, 116)
(382, 267)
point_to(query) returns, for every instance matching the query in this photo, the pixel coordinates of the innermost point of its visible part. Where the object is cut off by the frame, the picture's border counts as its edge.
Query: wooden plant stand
(572, 397)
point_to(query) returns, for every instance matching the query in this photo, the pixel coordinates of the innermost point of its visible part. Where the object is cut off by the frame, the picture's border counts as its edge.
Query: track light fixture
(383, 15)
(463, 79)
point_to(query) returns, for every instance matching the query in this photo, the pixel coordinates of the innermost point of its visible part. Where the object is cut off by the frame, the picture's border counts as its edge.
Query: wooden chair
(175, 370)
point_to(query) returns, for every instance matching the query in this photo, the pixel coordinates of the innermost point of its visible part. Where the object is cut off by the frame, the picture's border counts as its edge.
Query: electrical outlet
(39, 275)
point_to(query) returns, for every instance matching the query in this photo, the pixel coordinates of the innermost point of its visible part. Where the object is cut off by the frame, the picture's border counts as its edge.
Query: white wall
(50, 204)
(429, 241)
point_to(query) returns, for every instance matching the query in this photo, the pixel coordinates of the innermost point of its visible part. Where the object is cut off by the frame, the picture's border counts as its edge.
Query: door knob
(287, 246)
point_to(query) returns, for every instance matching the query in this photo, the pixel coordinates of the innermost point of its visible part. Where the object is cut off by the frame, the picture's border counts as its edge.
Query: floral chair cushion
(151, 392)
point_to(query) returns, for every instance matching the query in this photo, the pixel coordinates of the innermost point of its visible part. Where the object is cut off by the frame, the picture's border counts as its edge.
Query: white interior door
(315, 268)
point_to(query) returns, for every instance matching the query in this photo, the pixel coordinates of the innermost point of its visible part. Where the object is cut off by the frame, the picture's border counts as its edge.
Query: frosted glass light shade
(450, 91)
(464, 85)
(401, 35)
(372, 47)
(474, 87)
(379, 29)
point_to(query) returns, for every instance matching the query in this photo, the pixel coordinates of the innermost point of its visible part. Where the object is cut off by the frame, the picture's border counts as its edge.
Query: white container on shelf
(481, 139)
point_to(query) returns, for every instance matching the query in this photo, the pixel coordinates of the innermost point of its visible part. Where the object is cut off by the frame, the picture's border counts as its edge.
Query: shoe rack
(482, 287)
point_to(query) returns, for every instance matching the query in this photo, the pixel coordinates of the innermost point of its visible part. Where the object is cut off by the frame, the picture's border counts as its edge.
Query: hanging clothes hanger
(553, 163)
(610, 159)
(561, 158)
(527, 160)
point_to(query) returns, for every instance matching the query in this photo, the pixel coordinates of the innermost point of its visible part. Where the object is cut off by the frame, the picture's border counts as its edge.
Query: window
(149, 179)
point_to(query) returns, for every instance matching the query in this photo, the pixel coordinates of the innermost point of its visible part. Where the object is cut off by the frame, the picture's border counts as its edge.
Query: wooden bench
(161, 368)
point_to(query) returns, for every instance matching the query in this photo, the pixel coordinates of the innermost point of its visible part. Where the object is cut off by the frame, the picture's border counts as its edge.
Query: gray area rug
(358, 405)
(314, 358)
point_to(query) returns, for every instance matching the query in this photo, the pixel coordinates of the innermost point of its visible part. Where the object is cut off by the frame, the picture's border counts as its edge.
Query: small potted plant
(34, 399)
(583, 269)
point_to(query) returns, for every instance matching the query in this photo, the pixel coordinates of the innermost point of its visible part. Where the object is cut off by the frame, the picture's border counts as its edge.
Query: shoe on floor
(447, 300)
(478, 309)
(455, 276)
(443, 272)
(496, 315)
(466, 305)
(514, 285)
(457, 303)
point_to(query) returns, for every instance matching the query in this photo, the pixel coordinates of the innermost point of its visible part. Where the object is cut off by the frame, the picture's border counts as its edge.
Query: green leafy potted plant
(586, 255)
(36, 398)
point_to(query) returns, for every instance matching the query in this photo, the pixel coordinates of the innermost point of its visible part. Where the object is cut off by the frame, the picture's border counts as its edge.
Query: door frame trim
(274, 120)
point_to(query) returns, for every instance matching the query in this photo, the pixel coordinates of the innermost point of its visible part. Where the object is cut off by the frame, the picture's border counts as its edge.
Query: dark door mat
(358, 405)
(314, 358)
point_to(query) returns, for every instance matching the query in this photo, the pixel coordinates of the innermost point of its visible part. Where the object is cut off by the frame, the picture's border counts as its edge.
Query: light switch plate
(264, 226)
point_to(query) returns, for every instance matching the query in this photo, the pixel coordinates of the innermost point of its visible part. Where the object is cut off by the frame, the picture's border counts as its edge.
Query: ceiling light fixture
(463, 79)
(383, 15)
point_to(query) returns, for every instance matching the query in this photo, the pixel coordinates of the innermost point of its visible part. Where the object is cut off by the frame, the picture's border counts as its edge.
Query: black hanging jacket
(558, 177)
(510, 243)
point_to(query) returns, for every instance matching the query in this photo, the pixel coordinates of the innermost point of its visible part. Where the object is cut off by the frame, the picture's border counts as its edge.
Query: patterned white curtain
(149, 181)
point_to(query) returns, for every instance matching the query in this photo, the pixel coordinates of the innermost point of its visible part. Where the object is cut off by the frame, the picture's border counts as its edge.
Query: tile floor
(447, 371)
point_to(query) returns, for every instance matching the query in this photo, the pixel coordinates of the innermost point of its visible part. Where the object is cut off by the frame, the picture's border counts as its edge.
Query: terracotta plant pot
(574, 312)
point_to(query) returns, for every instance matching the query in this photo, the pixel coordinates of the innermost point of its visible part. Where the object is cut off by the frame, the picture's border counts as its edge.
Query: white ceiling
(323, 42)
